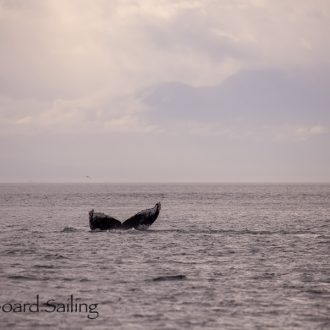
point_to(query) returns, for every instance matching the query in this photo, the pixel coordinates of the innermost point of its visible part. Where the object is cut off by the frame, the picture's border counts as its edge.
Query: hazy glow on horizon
(183, 90)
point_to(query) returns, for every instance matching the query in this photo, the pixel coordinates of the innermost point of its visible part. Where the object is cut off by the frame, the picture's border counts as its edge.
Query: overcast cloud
(182, 90)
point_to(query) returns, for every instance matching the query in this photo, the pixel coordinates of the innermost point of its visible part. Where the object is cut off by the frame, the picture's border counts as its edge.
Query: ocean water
(220, 256)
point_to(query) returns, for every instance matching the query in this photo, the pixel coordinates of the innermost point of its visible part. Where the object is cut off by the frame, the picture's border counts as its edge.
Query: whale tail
(98, 220)
(141, 220)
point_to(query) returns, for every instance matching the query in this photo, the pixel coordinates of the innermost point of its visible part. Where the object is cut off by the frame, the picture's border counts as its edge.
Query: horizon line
(164, 182)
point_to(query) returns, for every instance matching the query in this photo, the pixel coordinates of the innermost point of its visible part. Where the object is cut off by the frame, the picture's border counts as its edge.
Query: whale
(140, 221)
(143, 219)
(101, 221)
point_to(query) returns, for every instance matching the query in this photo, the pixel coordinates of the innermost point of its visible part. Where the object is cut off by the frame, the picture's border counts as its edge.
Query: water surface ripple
(220, 256)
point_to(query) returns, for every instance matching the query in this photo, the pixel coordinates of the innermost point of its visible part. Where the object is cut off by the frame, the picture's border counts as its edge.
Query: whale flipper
(143, 219)
(98, 220)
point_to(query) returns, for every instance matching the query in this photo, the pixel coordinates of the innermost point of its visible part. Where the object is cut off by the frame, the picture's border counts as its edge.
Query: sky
(164, 91)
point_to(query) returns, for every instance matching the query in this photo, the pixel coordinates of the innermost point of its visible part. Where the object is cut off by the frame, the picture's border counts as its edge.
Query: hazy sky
(180, 90)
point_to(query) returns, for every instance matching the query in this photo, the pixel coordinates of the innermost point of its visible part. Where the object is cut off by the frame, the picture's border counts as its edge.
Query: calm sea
(220, 256)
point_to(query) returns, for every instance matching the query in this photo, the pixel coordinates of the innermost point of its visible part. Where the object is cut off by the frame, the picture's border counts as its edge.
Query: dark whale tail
(102, 221)
(141, 220)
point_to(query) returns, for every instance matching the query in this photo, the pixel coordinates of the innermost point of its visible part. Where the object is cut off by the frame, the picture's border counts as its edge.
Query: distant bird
(141, 220)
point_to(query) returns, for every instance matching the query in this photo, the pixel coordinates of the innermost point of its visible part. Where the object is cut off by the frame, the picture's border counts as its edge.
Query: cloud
(54, 49)
(78, 72)
(96, 113)
(249, 99)
(304, 133)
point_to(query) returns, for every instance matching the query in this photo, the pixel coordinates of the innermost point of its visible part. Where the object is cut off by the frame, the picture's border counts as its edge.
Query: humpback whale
(141, 220)
(98, 220)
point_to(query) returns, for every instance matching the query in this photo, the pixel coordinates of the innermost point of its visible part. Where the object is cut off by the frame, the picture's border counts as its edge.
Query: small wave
(264, 276)
(315, 291)
(54, 256)
(10, 252)
(43, 266)
(69, 230)
(120, 231)
(201, 231)
(22, 277)
(169, 278)
(234, 231)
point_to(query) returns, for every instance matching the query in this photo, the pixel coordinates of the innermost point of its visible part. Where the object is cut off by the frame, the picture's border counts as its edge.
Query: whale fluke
(141, 220)
(98, 220)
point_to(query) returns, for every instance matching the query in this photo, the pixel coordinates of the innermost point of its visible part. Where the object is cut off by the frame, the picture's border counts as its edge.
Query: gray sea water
(220, 256)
